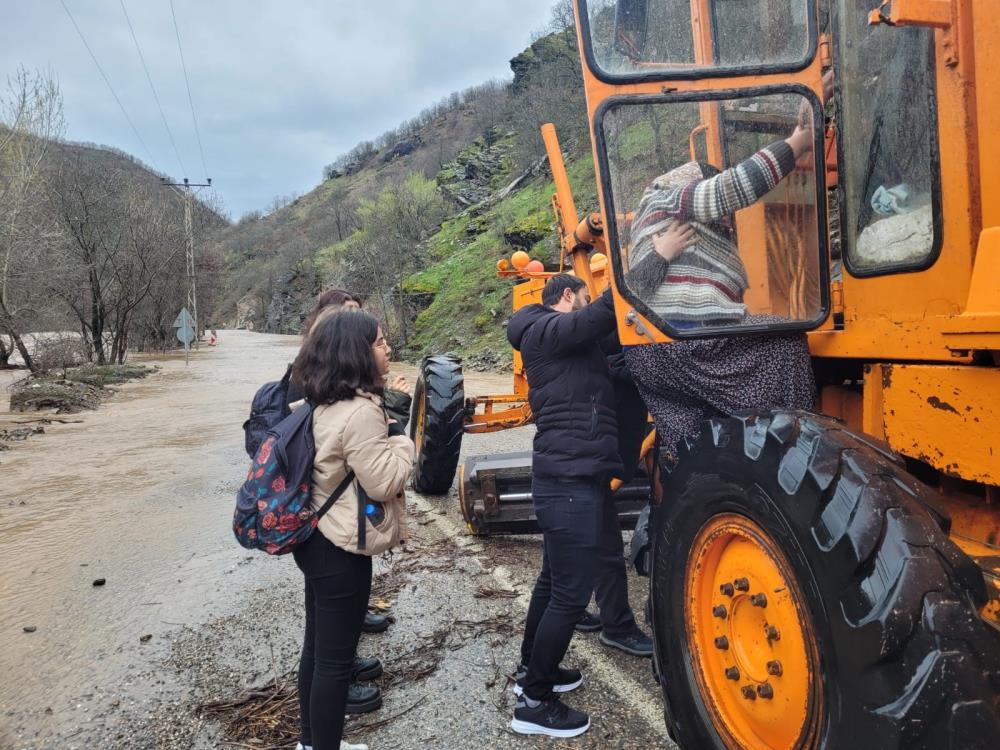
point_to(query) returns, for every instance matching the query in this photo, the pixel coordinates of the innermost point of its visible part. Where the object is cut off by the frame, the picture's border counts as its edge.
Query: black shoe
(363, 699)
(589, 623)
(374, 623)
(637, 643)
(365, 668)
(552, 717)
(567, 680)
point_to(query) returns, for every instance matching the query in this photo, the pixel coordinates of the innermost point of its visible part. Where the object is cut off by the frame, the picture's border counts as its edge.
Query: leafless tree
(31, 115)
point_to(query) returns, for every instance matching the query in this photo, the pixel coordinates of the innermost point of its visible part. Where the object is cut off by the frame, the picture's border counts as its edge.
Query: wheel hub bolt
(758, 600)
(719, 611)
(774, 668)
(727, 589)
(732, 673)
(742, 584)
(749, 693)
(773, 634)
(722, 642)
(765, 691)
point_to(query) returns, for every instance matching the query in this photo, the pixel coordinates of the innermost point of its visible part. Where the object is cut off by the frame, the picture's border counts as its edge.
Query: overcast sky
(280, 87)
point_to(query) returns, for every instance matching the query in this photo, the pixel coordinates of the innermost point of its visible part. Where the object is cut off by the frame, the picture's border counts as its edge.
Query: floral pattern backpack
(273, 507)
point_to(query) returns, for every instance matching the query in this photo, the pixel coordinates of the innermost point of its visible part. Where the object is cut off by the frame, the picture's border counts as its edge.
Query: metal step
(495, 495)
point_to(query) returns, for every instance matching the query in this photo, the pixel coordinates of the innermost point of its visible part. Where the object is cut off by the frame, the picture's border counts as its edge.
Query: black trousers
(338, 584)
(583, 554)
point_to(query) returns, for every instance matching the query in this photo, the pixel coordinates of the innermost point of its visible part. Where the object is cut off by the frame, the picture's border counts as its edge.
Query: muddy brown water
(140, 493)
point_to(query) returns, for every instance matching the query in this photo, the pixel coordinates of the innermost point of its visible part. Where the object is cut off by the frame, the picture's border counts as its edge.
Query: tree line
(91, 242)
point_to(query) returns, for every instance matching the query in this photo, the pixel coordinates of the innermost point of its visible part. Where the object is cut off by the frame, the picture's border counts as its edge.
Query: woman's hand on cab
(674, 240)
(800, 141)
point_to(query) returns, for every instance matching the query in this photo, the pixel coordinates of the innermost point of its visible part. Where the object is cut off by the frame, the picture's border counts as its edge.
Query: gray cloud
(280, 88)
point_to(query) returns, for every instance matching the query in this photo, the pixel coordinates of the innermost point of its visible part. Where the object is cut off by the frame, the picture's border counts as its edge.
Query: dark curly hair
(336, 359)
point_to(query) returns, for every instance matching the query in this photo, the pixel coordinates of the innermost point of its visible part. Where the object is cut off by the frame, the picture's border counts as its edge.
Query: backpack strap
(344, 484)
(362, 516)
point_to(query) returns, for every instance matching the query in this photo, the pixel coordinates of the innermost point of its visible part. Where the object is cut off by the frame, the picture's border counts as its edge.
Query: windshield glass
(716, 222)
(679, 36)
(888, 126)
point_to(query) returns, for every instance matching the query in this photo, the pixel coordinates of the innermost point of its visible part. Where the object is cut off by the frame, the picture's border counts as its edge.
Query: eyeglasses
(380, 343)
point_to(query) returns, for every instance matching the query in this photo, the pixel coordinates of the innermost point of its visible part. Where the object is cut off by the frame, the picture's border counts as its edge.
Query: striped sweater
(705, 283)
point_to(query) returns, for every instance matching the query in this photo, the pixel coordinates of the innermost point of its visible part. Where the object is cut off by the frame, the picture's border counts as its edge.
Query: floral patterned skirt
(686, 382)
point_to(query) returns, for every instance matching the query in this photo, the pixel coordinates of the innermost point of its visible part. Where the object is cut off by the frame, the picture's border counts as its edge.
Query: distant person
(575, 455)
(213, 338)
(341, 370)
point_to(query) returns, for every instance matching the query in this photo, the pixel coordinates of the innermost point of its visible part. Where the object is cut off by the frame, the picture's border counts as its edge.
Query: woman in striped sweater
(686, 266)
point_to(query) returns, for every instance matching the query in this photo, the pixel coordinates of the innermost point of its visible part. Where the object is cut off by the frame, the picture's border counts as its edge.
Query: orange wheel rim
(753, 650)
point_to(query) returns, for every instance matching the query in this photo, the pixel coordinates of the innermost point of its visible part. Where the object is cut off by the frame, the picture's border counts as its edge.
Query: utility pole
(192, 291)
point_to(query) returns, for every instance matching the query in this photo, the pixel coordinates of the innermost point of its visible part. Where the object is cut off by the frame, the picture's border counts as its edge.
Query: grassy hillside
(470, 302)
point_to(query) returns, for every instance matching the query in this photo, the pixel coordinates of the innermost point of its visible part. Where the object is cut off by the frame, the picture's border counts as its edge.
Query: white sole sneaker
(525, 727)
(567, 688)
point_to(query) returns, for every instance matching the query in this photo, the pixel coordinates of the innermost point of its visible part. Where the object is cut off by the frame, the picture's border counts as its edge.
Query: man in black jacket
(575, 455)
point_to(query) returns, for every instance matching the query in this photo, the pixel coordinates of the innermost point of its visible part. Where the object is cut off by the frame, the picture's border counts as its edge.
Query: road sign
(184, 320)
(185, 331)
(185, 334)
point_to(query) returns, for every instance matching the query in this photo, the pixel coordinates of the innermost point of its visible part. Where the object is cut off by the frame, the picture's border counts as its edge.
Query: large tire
(437, 423)
(887, 603)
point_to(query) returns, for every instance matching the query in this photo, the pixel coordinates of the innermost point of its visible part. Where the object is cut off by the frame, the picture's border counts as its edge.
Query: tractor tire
(805, 594)
(437, 423)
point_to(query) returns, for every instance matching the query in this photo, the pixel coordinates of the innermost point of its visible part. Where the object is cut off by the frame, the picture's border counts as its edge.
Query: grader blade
(495, 495)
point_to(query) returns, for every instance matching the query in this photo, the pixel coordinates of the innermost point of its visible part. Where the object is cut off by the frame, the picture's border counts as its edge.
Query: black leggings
(338, 584)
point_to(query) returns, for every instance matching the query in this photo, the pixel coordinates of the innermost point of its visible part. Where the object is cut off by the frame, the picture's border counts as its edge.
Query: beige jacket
(354, 435)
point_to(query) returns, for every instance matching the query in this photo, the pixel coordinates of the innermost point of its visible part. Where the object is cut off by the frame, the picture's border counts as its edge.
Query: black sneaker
(567, 680)
(636, 644)
(363, 699)
(552, 718)
(374, 623)
(365, 668)
(589, 623)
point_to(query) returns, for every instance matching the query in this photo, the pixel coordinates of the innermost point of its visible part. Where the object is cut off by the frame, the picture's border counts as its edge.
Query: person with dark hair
(397, 399)
(341, 369)
(336, 298)
(575, 455)
(685, 264)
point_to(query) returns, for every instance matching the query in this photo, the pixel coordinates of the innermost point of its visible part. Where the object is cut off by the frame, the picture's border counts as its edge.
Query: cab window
(665, 38)
(887, 124)
(719, 177)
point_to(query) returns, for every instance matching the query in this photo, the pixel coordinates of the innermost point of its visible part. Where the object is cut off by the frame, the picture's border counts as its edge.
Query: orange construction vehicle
(828, 579)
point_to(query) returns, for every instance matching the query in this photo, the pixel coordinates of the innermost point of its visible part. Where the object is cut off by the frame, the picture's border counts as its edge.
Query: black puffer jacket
(571, 394)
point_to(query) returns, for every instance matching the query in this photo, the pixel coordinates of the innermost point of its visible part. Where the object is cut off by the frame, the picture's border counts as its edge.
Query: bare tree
(31, 115)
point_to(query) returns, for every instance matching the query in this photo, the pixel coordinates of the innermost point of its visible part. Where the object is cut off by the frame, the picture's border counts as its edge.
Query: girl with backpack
(341, 371)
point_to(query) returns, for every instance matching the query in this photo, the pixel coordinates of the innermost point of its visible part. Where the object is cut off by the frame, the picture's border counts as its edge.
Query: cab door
(678, 92)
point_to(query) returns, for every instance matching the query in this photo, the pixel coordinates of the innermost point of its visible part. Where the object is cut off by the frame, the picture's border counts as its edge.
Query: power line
(111, 88)
(152, 88)
(187, 83)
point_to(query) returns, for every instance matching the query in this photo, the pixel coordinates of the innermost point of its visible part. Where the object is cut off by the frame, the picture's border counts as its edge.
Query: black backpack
(270, 406)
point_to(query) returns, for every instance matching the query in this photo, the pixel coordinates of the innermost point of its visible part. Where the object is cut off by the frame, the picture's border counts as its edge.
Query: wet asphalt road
(141, 492)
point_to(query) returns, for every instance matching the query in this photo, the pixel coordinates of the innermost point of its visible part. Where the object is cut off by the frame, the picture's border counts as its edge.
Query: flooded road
(140, 494)
(136, 494)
